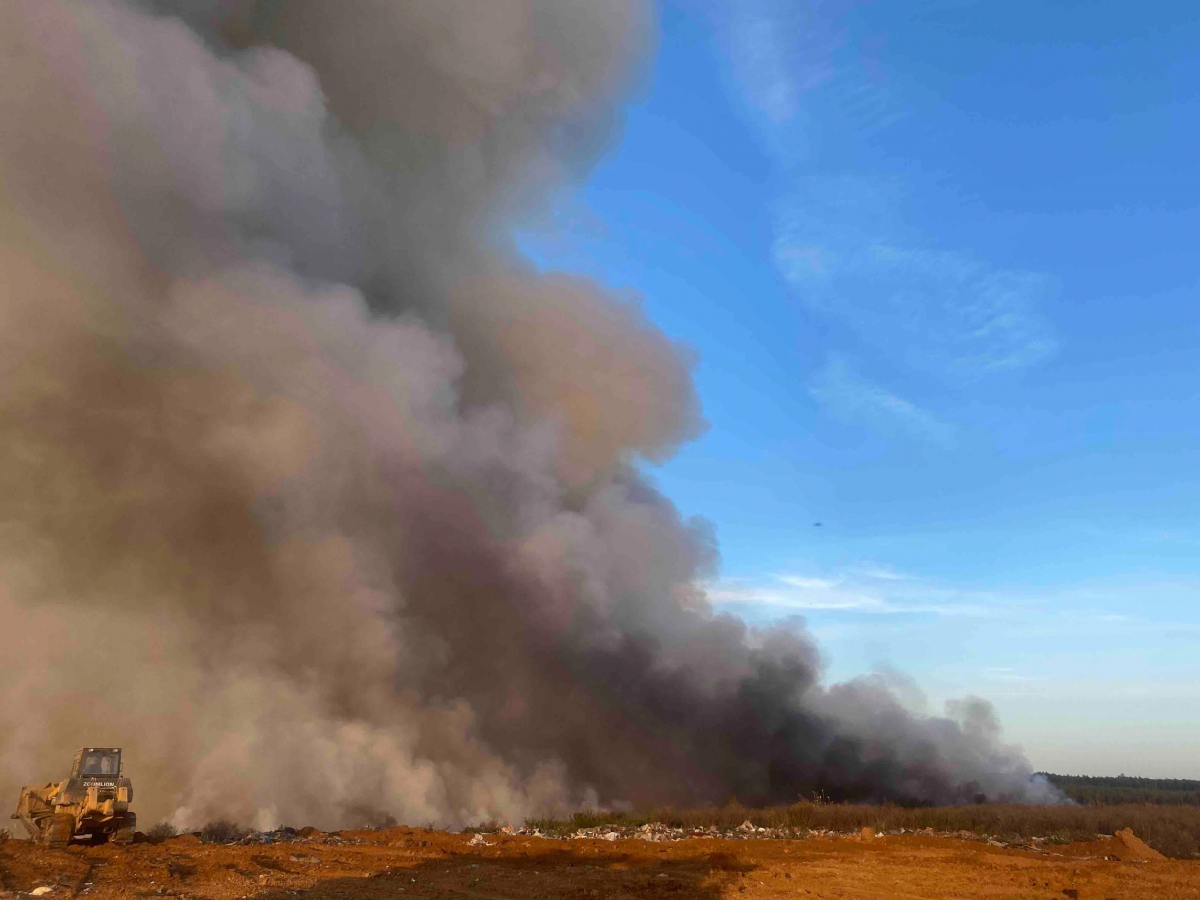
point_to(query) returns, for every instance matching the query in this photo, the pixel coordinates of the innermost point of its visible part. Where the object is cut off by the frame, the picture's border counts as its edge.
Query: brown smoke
(317, 499)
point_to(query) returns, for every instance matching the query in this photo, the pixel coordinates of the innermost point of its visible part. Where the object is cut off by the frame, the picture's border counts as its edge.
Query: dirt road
(411, 863)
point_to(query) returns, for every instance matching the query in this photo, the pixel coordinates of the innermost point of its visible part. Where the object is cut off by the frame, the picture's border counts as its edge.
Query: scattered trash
(657, 831)
(277, 836)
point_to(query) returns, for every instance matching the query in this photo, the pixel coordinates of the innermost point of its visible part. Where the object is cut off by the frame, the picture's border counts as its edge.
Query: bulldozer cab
(97, 762)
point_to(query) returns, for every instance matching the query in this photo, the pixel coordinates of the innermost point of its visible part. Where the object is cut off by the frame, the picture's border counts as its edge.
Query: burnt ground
(413, 863)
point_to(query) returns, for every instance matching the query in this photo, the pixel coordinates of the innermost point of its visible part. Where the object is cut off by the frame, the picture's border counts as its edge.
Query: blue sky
(939, 263)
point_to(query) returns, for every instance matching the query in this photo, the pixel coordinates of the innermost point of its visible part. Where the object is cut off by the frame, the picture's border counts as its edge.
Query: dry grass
(1172, 830)
(222, 831)
(161, 832)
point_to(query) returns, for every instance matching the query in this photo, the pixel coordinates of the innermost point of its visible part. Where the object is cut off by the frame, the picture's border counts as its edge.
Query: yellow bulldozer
(93, 802)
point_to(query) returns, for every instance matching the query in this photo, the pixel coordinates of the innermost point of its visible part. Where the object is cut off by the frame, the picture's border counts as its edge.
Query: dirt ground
(412, 863)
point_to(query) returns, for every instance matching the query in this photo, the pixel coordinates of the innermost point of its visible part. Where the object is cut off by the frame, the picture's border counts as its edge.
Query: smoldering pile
(317, 497)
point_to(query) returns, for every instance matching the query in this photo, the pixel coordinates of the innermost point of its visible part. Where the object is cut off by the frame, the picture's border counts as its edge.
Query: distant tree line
(1099, 791)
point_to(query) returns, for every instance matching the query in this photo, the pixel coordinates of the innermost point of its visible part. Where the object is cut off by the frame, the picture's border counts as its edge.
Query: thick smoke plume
(314, 495)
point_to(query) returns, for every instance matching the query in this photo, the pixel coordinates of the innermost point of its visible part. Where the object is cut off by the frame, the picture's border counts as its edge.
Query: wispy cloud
(930, 308)
(1070, 612)
(841, 241)
(853, 398)
(763, 64)
(794, 66)
(789, 593)
(875, 572)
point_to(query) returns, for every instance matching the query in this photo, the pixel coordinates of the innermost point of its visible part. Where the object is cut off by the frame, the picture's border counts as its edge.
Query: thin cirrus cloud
(841, 241)
(1073, 611)
(932, 309)
(843, 593)
(789, 58)
(856, 400)
(771, 83)
(777, 57)
(878, 572)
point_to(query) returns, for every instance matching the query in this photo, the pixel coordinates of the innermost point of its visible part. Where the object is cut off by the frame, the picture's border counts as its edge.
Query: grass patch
(222, 831)
(161, 832)
(491, 826)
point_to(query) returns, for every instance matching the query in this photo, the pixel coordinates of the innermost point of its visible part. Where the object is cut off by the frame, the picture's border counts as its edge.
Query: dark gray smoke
(313, 494)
